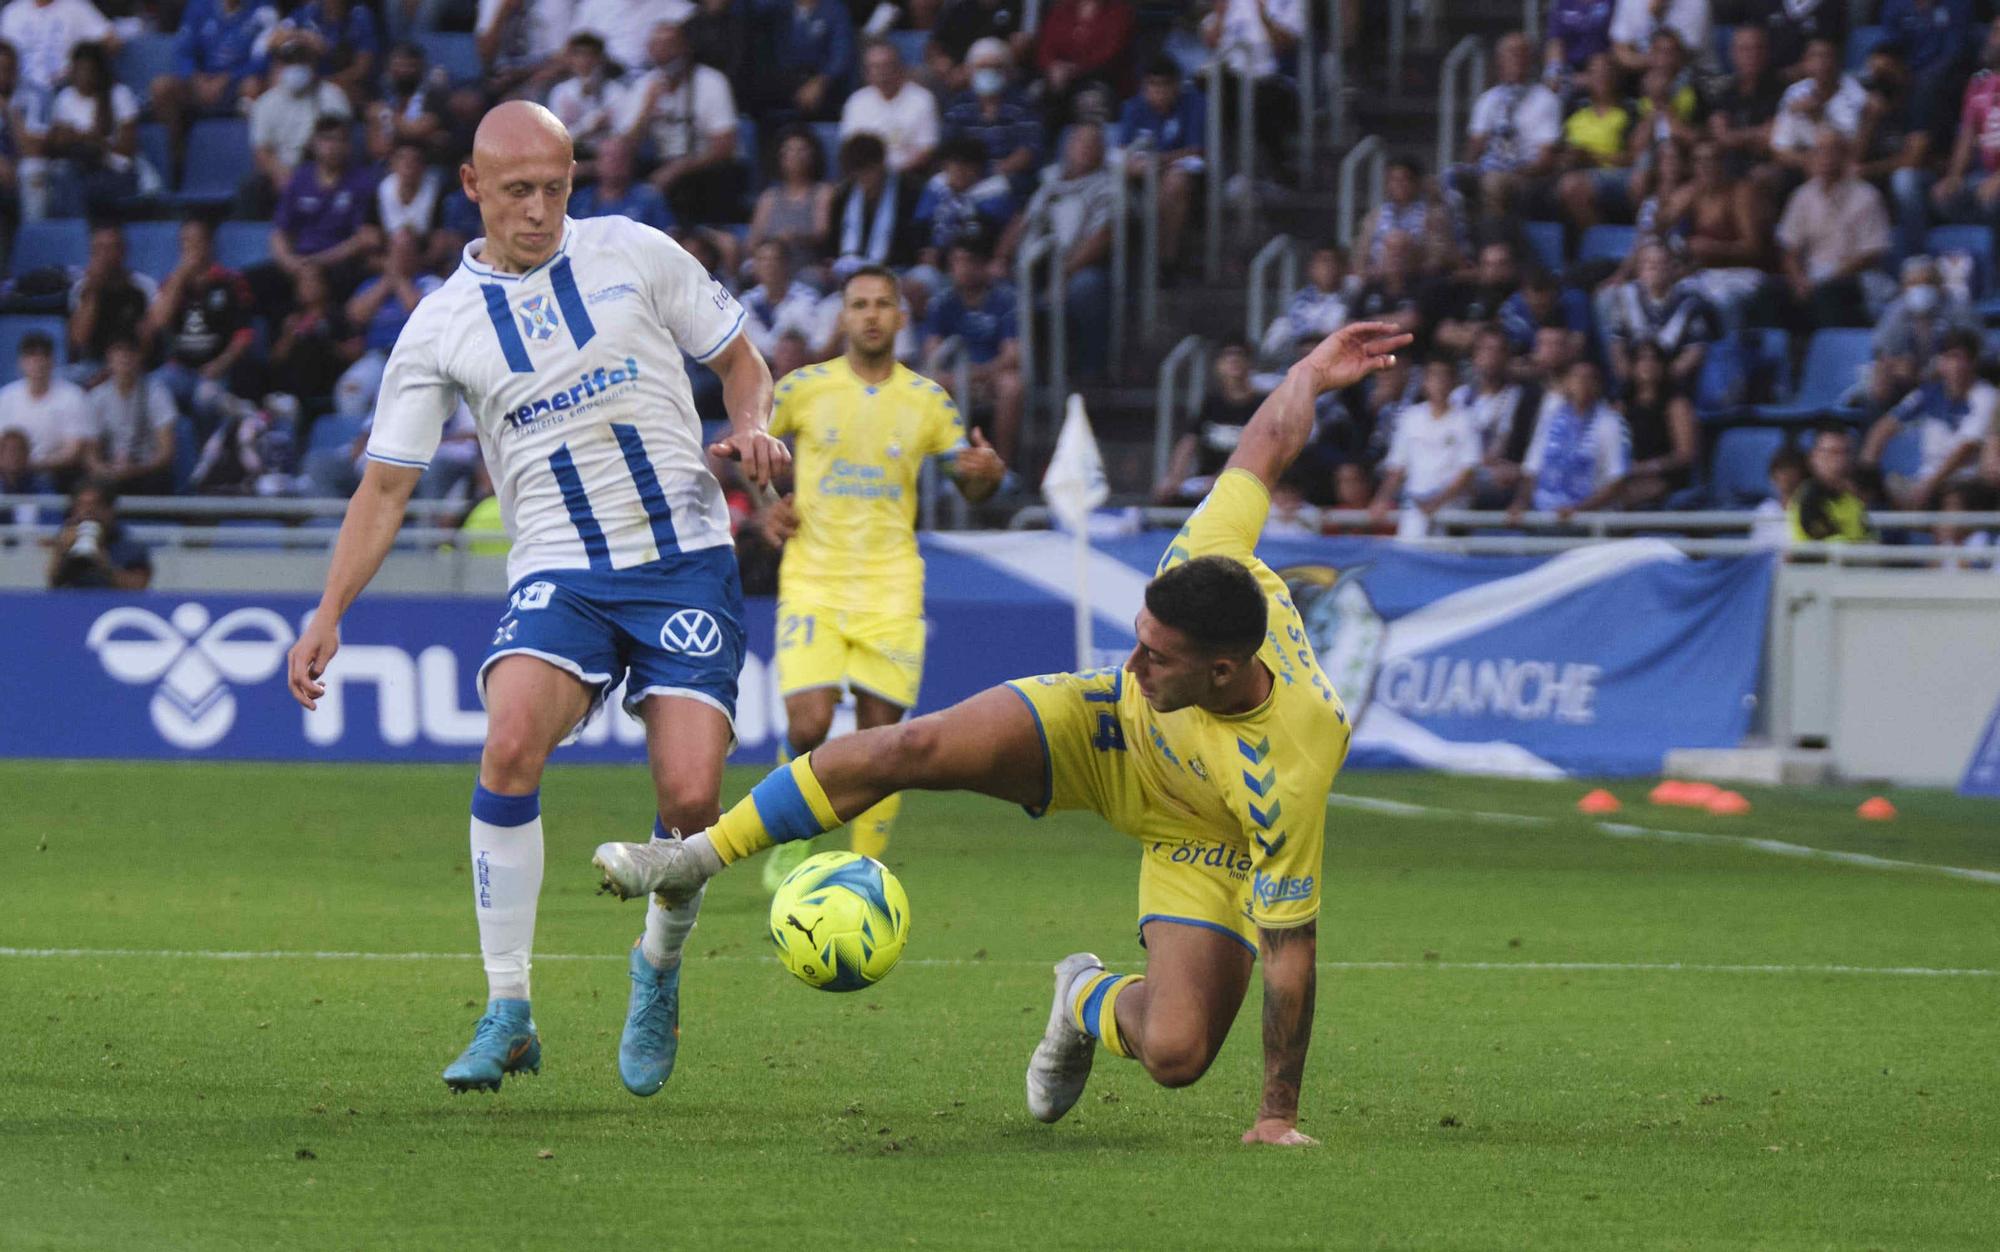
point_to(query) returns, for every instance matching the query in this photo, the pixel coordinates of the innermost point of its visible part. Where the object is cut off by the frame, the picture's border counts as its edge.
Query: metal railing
(951, 365)
(1531, 24)
(1468, 54)
(1334, 64)
(292, 508)
(1308, 97)
(1211, 251)
(1175, 399)
(1149, 237)
(1283, 254)
(1370, 154)
(1399, 38)
(1040, 248)
(1121, 265)
(1225, 166)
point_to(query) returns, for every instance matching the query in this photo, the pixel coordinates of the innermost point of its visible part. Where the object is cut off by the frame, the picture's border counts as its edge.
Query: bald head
(519, 176)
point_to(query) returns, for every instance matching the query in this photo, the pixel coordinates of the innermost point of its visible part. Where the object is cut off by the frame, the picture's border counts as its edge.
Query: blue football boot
(504, 1043)
(652, 1026)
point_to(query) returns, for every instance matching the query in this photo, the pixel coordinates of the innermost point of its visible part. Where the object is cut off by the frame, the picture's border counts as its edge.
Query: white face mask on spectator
(295, 78)
(1922, 300)
(987, 81)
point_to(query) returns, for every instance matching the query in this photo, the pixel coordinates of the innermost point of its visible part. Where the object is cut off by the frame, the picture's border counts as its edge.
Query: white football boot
(1060, 1066)
(662, 866)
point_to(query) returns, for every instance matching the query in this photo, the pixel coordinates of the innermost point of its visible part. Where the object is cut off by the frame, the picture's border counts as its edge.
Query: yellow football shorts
(879, 653)
(1185, 874)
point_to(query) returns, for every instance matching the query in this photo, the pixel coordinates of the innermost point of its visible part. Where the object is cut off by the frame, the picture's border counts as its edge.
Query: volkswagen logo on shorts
(691, 632)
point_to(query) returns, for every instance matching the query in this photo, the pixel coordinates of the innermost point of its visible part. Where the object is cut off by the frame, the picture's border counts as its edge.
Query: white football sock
(667, 930)
(506, 884)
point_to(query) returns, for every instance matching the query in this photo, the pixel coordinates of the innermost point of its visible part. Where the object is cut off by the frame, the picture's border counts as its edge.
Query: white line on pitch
(1502, 967)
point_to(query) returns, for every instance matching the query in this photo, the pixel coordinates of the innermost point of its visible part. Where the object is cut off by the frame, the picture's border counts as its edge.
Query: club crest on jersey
(538, 317)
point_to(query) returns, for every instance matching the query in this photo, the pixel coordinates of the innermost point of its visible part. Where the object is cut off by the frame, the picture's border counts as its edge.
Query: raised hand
(1353, 352)
(979, 462)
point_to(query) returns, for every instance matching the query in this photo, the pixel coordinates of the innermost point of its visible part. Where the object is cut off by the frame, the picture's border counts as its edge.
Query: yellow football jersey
(1260, 777)
(858, 451)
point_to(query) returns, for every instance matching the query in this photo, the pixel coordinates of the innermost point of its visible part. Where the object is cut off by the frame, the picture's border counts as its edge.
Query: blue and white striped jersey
(574, 373)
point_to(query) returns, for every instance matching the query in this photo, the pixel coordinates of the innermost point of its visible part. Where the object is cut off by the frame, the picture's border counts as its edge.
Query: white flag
(1074, 484)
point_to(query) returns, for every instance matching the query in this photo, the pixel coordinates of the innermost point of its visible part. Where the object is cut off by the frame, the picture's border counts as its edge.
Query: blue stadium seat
(1904, 453)
(153, 248)
(828, 134)
(1861, 41)
(748, 153)
(1774, 362)
(457, 54)
(1606, 243)
(239, 245)
(156, 150)
(1545, 241)
(1739, 476)
(910, 45)
(16, 327)
(54, 241)
(143, 58)
(1834, 360)
(1722, 34)
(1722, 386)
(218, 158)
(1975, 242)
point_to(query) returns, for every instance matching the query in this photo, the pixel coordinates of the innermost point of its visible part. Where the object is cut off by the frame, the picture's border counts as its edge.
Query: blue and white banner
(1596, 661)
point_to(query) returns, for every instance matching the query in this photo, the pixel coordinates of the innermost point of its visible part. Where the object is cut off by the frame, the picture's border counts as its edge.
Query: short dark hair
(329, 124)
(587, 39)
(973, 245)
(799, 130)
(872, 271)
(1409, 165)
(1164, 67)
(35, 343)
(964, 148)
(1213, 600)
(862, 151)
(1962, 341)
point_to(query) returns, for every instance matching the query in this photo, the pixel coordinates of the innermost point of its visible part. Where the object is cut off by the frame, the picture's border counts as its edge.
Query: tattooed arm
(1289, 987)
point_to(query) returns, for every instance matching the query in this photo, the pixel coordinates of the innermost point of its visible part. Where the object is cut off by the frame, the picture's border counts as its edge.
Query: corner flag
(1073, 486)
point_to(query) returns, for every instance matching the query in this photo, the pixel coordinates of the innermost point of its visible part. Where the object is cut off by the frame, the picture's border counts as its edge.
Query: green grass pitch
(1531, 1034)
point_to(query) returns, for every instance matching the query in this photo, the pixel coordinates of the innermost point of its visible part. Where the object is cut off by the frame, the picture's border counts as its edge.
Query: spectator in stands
(1892, 137)
(326, 216)
(219, 60)
(1792, 25)
(684, 114)
(521, 43)
(409, 195)
(1514, 135)
(587, 100)
(980, 313)
(23, 130)
(345, 41)
(812, 58)
(1455, 308)
(109, 302)
(1634, 23)
(961, 203)
(874, 211)
(315, 345)
(249, 453)
(993, 112)
(382, 305)
(1577, 31)
(1433, 454)
(1826, 100)
(1595, 151)
(18, 476)
(1656, 308)
(283, 119)
(1580, 453)
(1769, 526)
(1743, 110)
(1083, 43)
(615, 191)
(797, 209)
(202, 322)
(1408, 209)
(1390, 292)
(1226, 408)
(1503, 412)
(1964, 498)
(1174, 118)
(49, 409)
(46, 32)
(92, 549)
(1724, 220)
(1252, 37)
(1542, 301)
(94, 129)
(899, 112)
(1074, 204)
(1315, 310)
(1667, 104)
(1952, 416)
(134, 418)
(1666, 442)
(1969, 190)
(1827, 507)
(410, 106)
(720, 34)
(965, 24)
(626, 26)
(1934, 39)
(1913, 330)
(778, 304)
(1834, 232)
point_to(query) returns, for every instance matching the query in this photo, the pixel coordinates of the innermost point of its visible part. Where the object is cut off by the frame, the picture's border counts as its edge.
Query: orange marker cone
(1727, 804)
(1702, 794)
(1876, 809)
(1598, 801)
(1670, 791)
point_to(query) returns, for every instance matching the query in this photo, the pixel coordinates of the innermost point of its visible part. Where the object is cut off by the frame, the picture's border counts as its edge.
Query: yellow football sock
(871, 829)
(789, 804)
(1093, 1010)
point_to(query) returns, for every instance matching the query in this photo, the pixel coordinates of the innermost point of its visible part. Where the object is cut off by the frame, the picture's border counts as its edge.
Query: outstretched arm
(1289, 988)
(373, 517)
(746, 394)
(1283, 424)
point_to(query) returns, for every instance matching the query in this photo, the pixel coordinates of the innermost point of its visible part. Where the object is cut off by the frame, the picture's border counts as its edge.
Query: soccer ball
(839, 921)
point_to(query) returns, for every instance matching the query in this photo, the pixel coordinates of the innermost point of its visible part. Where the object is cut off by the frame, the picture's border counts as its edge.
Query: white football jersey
(573, 371)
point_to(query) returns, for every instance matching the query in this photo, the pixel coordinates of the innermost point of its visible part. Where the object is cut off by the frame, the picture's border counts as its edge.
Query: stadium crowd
(223, 213)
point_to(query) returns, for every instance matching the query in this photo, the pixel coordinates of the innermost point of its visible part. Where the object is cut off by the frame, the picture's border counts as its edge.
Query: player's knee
(1177, 1060)
(911, 752)
(514, 756)
(688, 803)
(807, 728)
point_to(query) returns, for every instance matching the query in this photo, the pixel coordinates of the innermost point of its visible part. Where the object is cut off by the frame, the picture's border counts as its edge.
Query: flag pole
(1080, 548)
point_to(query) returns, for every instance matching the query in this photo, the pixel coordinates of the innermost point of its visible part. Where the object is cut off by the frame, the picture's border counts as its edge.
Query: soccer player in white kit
(565, 338)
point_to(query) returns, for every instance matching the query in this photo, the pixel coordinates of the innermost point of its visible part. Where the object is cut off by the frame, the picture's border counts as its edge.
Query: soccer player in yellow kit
(851, 588)
(1215, 746)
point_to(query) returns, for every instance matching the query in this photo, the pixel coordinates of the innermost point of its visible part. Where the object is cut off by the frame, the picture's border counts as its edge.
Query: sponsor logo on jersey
(1213, 856)
(691, 632)
(193, 660)
(591, 389)
(1280, 890)
(615, 291)
(538, 317)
